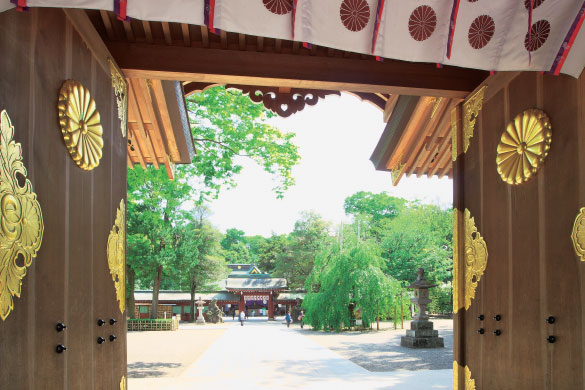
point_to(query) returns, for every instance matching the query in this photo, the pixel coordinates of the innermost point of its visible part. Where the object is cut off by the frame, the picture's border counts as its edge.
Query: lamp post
(200, 319)
(421, 333)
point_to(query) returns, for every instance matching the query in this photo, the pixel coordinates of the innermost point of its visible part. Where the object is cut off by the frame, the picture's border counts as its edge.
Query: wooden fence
(148, 324)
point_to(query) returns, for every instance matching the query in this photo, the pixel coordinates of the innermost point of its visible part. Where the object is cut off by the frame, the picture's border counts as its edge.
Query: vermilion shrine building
(246, 288)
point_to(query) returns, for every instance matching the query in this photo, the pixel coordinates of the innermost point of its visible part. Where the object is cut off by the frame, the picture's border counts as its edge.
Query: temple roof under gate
(254, 284)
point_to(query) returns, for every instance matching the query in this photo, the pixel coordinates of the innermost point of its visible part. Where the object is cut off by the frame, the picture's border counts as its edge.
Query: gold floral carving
(21, 219)
(476, 256)
(397, 171)
(471, 109)
(524, 146)
(117, 254)
(80, 125)
(578, 234)
(455, 260)
(454, 144)
(469, 381)
(121, 93)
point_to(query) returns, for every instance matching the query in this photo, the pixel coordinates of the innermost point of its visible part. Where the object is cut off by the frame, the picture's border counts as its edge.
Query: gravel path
(167, 354)
(381, 351)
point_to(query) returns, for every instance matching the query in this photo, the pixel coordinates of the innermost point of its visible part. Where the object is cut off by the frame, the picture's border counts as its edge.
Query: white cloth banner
(489, 34)
(265, 18)
(178, 11)
(340, 24)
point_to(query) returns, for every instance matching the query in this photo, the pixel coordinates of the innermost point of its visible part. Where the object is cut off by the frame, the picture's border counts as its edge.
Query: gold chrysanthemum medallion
(524, 146)
(80, 124)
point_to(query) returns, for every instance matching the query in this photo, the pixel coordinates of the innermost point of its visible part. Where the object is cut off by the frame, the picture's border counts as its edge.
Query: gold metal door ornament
(469, 382)
(578, 234)
(471, 109)
(456, 281)
(121, 93)
(117, 253)
(123, 383)
(21, 219)
(397, 171)
(524, 146)
(476, 256)
(80, 124)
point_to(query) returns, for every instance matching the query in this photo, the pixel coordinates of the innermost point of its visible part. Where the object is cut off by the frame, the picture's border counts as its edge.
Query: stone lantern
(200, 318)
(421, 333)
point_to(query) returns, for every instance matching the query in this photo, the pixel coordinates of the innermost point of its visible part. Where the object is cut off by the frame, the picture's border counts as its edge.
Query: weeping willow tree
(351, 278)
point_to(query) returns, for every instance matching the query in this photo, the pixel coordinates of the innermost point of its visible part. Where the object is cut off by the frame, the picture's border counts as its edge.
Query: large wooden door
(515, 255)
(69, 281)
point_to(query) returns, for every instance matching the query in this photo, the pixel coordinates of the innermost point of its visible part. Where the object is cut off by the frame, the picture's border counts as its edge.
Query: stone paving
(267, 355)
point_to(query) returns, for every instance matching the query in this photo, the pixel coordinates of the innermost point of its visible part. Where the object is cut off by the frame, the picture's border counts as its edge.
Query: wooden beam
(289, 70)
(278, 45)
(260, 44)
(430, 127)
(133, 107)
(389, 107)
(90, 36)
(128, 31)
(445, 170)
(444, 157)
(147, 31)
(145, 103)
(165, 119)
(108, 25)
(223, 39)
(167, 33)
(204, 36)
(136, 144)
(186, 34)
(435, 156)
(129, 161)
(242, 41)
(421, 111)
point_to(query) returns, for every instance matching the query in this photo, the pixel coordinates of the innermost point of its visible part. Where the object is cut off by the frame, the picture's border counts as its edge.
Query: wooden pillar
(242, 303)
(271, 306)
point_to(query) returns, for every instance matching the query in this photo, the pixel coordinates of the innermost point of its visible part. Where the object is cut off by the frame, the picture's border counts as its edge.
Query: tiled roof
(255, 283)
(185, 296)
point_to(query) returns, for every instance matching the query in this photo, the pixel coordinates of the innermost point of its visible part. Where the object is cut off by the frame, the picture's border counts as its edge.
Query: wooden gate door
(519, 269)
(59, 217)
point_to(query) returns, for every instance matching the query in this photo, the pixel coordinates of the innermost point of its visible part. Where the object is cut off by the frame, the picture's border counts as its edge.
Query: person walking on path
(288, 319)
(302, 318)
(242, 317)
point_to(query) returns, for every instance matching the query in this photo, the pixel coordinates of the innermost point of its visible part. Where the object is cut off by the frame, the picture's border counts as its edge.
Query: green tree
(270, 251)
(154, 212)
(295, 262)
(234, 246)
(227, 125)
(352, 278)
(199, 256)
(373, 211)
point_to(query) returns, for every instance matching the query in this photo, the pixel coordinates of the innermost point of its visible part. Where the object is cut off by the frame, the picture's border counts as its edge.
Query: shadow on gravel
(390, 356)
(150, 370)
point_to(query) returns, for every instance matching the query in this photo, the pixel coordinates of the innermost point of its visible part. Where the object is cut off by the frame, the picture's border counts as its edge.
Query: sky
(336, 138)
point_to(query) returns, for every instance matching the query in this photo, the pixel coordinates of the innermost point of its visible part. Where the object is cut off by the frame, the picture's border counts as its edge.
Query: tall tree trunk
(130, 304)
(157, 279)
(192, 288)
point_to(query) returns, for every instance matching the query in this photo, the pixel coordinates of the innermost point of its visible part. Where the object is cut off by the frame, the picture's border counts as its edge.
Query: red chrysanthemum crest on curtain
(422, 22)
(354, 14)
(538, 35)
(481, 31)
(278, 7)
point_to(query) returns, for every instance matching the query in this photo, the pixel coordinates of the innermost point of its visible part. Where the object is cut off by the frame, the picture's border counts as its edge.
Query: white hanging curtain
(494, 35)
